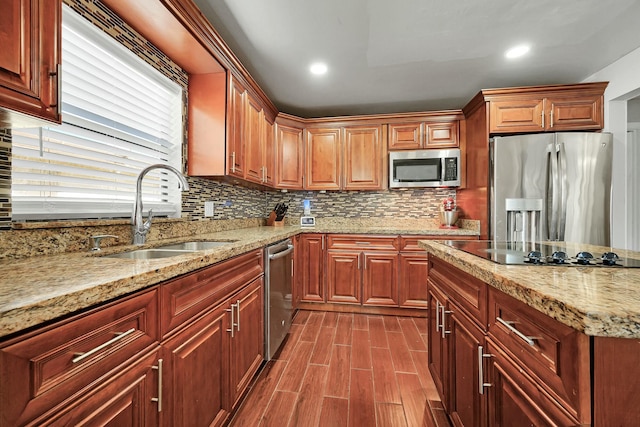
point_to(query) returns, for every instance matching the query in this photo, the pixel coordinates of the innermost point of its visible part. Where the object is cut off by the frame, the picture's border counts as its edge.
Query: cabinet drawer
(362, 242)
(186, 297)
(517, 399)
(555, 354)
(469, 293)
(410, 243)
(53, 363)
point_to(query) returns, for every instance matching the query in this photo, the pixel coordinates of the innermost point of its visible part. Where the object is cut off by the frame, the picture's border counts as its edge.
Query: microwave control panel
(450, 169)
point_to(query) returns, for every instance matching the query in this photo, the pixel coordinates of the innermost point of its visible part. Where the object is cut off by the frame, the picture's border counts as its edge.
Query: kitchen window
(119, 115)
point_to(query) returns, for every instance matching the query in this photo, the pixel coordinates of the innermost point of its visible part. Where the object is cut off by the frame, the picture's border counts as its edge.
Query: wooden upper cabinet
(546, 108)
(30, 59)
(289, 157)
(363, 158)
(236, 129)
(519, 115)
(268, 138)
(323, 159)
(585, 112)
(253, 140)
(405, 136)
(422, 135)
(442, 135)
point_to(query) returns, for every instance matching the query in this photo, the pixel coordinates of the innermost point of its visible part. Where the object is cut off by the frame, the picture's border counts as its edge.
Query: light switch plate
(208, 209)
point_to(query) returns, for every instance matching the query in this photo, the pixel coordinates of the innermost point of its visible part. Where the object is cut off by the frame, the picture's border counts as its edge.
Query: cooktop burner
(556, 254)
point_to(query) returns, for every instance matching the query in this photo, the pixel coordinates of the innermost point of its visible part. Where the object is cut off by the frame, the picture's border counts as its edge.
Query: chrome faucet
(140, 228)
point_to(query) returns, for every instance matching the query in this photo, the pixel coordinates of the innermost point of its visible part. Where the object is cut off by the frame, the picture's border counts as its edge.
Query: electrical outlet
(208, 209)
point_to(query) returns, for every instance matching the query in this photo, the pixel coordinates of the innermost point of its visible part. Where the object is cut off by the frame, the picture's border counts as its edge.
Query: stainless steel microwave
(424, 168)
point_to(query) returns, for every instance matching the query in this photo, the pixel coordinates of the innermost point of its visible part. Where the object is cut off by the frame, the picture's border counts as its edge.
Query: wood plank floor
(342, 369)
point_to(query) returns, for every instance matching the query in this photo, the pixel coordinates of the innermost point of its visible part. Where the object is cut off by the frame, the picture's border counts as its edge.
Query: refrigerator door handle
(552, 192)
(563, 190)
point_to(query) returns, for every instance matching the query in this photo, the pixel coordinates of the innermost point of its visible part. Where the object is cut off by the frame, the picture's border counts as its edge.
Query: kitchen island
(533, 345)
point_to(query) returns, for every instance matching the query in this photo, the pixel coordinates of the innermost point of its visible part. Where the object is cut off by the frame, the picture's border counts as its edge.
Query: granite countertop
(38, 289)
(597, 301)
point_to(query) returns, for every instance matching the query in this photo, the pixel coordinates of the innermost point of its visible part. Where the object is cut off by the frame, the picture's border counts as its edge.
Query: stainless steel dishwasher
(278, 311)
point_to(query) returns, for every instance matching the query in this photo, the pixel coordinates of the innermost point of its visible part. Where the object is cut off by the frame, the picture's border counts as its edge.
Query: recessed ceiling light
(517, 51)
(318, 68)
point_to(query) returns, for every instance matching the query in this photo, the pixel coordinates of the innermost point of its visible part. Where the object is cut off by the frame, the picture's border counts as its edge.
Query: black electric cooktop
(554, 254)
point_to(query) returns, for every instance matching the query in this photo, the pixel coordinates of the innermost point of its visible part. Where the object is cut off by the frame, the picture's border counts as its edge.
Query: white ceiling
(417, 55)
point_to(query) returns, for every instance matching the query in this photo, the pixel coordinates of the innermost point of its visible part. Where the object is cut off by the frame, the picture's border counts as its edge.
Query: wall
(624, 83)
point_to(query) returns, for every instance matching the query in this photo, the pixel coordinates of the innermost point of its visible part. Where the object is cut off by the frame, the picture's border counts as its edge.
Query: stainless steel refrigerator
(553, 186)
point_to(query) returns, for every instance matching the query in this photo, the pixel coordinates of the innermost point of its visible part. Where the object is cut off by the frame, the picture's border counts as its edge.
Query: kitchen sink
(149, 254)
(171, 250)
(197, 246)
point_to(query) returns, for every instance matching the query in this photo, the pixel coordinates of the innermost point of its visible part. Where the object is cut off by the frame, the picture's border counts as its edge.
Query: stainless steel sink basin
(149, 254)
(196, 246)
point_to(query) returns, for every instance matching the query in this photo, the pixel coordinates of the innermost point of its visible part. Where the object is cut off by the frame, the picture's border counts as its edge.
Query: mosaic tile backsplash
(411, 204)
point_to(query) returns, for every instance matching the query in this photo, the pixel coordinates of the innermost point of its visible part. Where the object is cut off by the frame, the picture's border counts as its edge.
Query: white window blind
(119, 116)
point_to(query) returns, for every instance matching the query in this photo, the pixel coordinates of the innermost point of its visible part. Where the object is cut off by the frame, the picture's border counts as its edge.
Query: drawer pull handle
(119, 335)
(438, 325)
(159, 398)
(523, 337)
(363, 243)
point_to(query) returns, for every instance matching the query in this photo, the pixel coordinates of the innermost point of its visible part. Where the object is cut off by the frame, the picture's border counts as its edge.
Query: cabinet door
(343, 277)
(323, 159)
(412, 292)
(247, 343)
(30, 58)
(442, 135)
(67, 358)
(405, 136)
(268, 138)
(575, 113)
(380, 279)
(254, 154)
(467, 406)
(363, 158)
(289, 157)
(517, 115)
(311, 268)
(129, 399)
(196, 373)
(515, 399)
(236, 129)
(436, 341)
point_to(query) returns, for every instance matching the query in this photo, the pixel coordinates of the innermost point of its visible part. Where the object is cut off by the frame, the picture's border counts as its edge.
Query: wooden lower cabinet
(246, 348)
(437, 354)
(343, 277)
(196, 372)
(489, 375)
(413, 269)
(309, 270)
(467, 407)
(128, 399)
(515, 399)
(380, 279)
(178, 354)
(53, 368)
